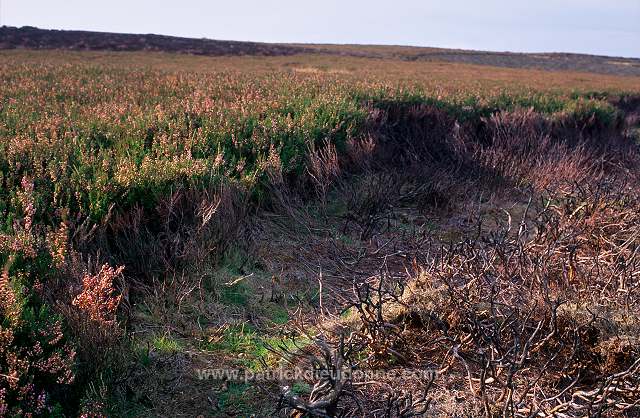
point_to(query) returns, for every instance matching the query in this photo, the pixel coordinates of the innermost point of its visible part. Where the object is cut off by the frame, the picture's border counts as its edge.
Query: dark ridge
(33, 38)
(548, 61)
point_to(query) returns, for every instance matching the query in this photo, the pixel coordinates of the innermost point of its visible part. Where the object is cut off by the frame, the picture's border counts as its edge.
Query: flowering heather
(34, 357)
(98, 298)
(88, 137)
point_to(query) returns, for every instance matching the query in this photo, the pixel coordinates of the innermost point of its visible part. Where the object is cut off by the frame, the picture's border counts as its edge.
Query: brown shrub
(323, 168)
(186, 228)
(540, 306)
(91, 316)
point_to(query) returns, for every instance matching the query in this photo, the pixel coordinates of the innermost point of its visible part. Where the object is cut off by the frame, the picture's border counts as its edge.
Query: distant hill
(543, 61)
(34, 38)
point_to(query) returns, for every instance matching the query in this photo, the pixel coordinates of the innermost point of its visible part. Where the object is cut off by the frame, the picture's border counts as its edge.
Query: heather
(92, 137)
(137, 201)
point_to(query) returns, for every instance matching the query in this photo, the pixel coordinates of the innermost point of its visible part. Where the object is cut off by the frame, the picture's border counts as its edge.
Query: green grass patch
(166, 345)
(301, 388)
(234, 399)
(250, 347)
(276, 313)
(237, 294)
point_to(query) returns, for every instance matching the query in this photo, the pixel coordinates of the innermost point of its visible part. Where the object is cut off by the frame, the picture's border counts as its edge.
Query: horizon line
(297, 43)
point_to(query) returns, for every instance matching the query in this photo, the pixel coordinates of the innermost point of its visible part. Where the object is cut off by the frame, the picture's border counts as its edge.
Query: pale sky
(605, 27)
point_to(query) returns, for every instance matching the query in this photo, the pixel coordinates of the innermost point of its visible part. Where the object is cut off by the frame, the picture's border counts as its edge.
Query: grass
(237, 294)
(166, 345)
(234, 398)
(248, 346)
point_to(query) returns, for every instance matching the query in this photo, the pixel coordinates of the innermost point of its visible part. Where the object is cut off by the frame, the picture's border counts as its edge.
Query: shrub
(35, 359)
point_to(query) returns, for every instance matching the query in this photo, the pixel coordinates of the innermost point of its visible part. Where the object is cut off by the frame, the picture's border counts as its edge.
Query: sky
(603, 27)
